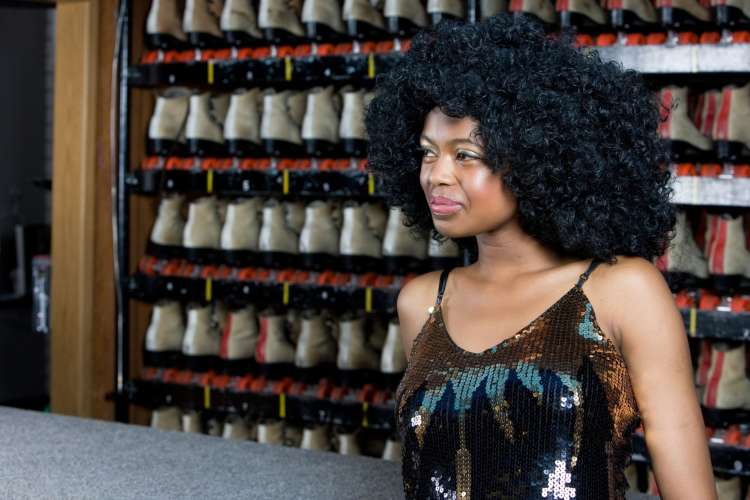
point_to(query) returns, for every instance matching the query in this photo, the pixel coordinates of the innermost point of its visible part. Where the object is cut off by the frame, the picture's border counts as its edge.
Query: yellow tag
(208, 289)
(370, 184)
(210, 72)
(285, 293)
(288, 67)
(692, 327)
(210, 181)
(368, 299)
(282, 405)
(364, 414)
(370, 65)
(285, 181)
(206, 396)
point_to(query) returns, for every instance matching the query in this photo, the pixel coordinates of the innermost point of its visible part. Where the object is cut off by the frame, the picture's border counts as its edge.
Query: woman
(529, 369)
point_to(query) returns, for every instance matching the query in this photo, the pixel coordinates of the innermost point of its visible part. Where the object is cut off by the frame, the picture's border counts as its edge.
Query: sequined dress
(546, 413)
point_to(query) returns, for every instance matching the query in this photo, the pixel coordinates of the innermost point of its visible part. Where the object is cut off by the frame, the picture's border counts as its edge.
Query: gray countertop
(55, 457)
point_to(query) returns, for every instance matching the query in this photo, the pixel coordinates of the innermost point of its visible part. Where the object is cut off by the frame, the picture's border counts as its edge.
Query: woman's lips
(444, 206)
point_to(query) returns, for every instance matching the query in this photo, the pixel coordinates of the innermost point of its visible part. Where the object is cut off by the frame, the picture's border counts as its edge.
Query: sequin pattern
(548, 413)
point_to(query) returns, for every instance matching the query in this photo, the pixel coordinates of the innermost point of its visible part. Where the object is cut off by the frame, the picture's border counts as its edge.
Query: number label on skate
(693, 324)
(282, 405)
(208, 291)
(245, 185)
(368, 299)
(288, 68)
(370, 65)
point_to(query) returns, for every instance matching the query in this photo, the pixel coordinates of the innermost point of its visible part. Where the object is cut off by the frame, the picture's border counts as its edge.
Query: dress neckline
(526, 330)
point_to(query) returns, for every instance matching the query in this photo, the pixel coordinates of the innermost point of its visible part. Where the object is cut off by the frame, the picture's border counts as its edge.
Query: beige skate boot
(279, 20)
(167, 124)
(541, 10)
(584, 14)
(728, 257)
(191, 422)
(363, 20)
(322, 20)
(683, 259)
(402, 250)
(684, 14)
(201, 22)
(359, 247)
(404, 17)
(165, 240)
(320, 125)
(445, 9)
(347, 442)
(205, 122)
(236, 428)
(271, 432)
(241, 231)
(633, 15)
(166, 418)
(280, 125)
(315, 356)
(319, 238)
(731, 130)
(163, 28)
(684, 139)
(316, 438)
(202, 232)
(352, 131)
(164, 335)
(443, 254)
(357, 360)
(488, 8)
(238, 343)
(728, 387)
(202, 340)
(242, 125)
(275, 349)
(239, 23)
(377, 219)
(732, 14)
(278, 243)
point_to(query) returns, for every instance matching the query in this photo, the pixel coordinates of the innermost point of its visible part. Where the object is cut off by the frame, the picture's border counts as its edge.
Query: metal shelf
(681, 59)
(733, 192)
(310, 70)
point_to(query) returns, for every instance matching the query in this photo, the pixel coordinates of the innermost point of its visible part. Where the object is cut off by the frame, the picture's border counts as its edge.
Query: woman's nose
(441, 170)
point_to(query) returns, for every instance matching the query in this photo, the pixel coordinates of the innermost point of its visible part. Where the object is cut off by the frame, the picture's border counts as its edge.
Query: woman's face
(465, 197)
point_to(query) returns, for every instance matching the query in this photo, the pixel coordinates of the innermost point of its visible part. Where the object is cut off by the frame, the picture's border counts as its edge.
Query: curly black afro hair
(574, 138)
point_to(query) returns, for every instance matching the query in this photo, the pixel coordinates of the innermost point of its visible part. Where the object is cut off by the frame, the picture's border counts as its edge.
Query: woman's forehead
(439, 127)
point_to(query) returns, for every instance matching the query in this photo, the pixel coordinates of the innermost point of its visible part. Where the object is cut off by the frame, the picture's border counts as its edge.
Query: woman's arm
(655, 347)
(412, 305)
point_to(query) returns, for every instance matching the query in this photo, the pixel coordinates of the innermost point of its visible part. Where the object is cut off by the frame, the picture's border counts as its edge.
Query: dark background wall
(27, 59)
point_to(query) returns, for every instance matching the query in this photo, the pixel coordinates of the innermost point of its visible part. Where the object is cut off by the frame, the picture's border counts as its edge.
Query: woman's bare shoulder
(414, 300)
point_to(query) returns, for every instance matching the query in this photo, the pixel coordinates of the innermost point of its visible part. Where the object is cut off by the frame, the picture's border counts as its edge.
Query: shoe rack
(694, 54)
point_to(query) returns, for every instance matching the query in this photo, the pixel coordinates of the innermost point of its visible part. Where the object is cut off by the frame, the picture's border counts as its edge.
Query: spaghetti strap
(585, 276)
(441, 286)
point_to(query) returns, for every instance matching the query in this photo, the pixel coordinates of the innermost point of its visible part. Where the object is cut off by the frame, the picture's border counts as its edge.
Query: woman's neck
(507, 252)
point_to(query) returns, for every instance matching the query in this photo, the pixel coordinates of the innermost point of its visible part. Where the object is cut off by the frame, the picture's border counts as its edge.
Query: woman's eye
(425, 152)
(461, 155)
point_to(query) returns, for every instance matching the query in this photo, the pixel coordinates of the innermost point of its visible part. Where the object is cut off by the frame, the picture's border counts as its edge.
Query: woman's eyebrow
(452, 141)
